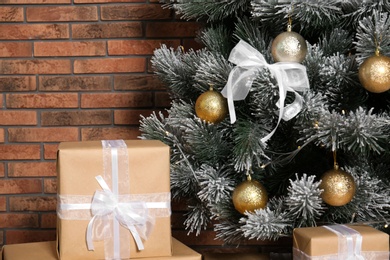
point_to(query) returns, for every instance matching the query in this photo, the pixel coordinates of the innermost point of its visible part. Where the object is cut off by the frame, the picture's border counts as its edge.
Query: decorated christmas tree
(282, 120)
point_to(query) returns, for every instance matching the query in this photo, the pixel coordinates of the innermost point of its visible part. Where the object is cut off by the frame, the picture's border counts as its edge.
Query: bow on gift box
(132, 215)
(290, 76)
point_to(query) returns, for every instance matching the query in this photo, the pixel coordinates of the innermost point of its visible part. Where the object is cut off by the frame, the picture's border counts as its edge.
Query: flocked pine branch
(248, 149)
(197, 218)
(176, 69)
(304, 202)
(371, 33)
(305, 14)
(264, 224)
(216, 185)
(208, 10)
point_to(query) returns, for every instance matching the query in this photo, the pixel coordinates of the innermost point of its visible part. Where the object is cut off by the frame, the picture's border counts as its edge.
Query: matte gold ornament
(374, 73)
(249, 195)
(211, 106)
(339, 187)
(289, 47)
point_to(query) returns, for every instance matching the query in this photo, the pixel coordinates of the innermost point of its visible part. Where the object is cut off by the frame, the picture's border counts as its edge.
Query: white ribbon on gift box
(290, 76)
(350, 242)
(110, 209)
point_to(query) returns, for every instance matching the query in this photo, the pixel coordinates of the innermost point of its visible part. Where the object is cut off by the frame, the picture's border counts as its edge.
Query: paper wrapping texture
(77, 165)
(318, 241)
(47, 251)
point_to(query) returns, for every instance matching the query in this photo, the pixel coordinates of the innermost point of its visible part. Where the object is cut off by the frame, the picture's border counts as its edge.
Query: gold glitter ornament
(374, 73)
(339, 187)
(211, 106)
(249, 195)
(289, 47)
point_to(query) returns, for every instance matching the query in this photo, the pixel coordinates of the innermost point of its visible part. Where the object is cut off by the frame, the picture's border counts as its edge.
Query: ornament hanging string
(290, 76)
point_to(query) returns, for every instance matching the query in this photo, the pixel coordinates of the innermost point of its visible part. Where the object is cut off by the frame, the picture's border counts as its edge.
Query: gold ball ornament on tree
(211, 106)
(249, 195)
(289, 46)
(339, 187)
(374, 73)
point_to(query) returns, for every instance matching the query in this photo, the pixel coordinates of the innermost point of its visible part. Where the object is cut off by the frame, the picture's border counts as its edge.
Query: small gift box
(340, 242)
(47, 251)
(113, 200)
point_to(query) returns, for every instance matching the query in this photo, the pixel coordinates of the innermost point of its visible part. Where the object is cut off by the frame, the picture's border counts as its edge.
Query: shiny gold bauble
(374, 73)
(339, 187)
(211, 106)
(289, 47)
(249, 195)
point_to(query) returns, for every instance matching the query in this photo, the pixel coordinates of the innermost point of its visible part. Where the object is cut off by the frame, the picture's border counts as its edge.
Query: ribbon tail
(89, 234)
(282, 98)
(137, 237)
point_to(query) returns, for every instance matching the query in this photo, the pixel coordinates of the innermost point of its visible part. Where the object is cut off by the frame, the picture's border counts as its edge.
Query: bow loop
(290, 76)
(133, 215)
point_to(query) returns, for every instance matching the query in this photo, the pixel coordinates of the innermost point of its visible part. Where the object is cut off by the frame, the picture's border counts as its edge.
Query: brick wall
(71, 70)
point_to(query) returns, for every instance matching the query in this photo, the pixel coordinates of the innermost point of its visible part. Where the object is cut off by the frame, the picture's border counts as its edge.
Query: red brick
(3, 204)
(19, 152)
(26, 236)
(19, 220)
(20, 186)
(137, 82)
(2, 170)
(34, 66)
(50, 186)
(48, 220)
(107, 30)
(11, 14)
(162, 99)
(17, 83)
(61, 13)
(138, 47)
(32, 203)
(74, 118)
(50, 151)
(109, 65)
(2, 135)
(10, 117)
(31, 169)
(50, 49)
(106, 100)
(130, 117)
(74, 83)
(109, 133)
(15, 49)
(172, 29)
(135, 12)
(43, 134)
(42, 100)
(33, 31)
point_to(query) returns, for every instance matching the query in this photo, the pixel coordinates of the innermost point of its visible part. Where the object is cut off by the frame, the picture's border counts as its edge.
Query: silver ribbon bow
(132, 215)
(289, 76)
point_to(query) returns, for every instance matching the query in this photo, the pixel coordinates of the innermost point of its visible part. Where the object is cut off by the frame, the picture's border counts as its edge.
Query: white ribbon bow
(132, 215)
(290, 76)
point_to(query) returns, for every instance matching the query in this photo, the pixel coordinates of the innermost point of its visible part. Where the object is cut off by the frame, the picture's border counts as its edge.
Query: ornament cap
(377, 52)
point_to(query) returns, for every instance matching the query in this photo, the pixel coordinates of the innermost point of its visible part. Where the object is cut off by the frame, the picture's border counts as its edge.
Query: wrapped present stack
(113, 202)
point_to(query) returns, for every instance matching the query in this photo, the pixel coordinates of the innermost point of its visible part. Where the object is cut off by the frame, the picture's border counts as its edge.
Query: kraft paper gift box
(340, 242)
(47, 251)
(109, 194)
